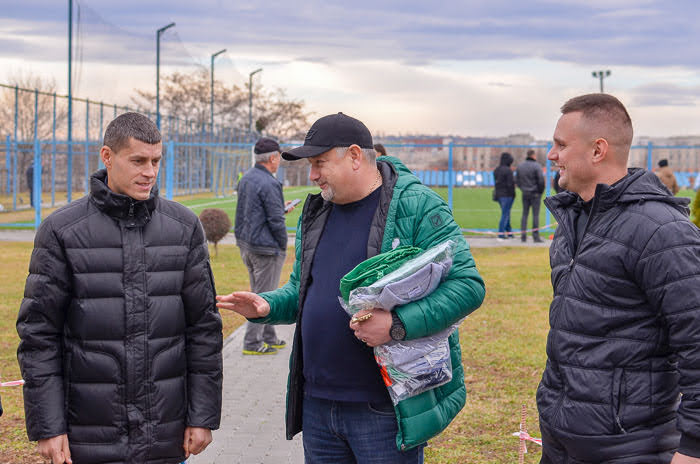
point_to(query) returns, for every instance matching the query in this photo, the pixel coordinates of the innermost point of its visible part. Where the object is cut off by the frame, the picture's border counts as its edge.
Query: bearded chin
(327, 194)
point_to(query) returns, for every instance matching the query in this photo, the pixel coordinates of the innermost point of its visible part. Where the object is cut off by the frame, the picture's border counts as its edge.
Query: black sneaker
(264, 349)
(279, 344)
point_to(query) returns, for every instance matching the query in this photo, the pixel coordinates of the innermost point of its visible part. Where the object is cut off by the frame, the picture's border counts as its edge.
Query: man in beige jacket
(665, 174)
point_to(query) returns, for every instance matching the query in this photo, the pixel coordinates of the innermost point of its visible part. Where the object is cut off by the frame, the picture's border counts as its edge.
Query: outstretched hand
(247, 304)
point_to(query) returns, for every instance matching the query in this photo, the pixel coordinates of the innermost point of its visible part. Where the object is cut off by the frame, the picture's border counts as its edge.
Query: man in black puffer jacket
(625, 326)
(120, 337)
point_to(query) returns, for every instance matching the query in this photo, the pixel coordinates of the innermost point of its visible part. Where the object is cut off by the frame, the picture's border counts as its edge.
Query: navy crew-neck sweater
(338, 366)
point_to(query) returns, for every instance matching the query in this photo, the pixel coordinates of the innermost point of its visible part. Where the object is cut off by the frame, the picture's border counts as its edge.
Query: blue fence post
(650, 150)
(53, 154)
(449, 178)
(8, 161)
(14, 175)
(100, 164)
(37, 183)
(36, 186)
(87, 148)
(170, 162)
(547, 218)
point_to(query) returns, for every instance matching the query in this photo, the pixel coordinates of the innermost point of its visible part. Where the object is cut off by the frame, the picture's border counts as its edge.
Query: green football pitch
(472, 207)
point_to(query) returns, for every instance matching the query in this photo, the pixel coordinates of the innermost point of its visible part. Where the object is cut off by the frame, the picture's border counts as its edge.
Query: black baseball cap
(334, 130)
(266, 145)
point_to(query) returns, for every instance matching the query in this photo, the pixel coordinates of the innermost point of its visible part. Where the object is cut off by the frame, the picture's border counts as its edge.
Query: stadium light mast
(601, 75)
(158, 33)
(250, 100)
(212, 88)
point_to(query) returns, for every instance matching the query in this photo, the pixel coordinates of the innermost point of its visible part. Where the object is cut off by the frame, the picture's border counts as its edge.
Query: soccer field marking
(212, 203)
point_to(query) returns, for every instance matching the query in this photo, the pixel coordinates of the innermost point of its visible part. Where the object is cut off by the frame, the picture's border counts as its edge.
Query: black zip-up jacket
(625, 324)
(504, 183)
(120, 336)
(260, 225)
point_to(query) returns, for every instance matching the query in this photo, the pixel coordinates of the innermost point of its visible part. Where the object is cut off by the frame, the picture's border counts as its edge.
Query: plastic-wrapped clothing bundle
(408, 367)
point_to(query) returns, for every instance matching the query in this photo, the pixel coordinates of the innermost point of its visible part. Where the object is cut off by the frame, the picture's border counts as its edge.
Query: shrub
(695, 209)
(216, 224)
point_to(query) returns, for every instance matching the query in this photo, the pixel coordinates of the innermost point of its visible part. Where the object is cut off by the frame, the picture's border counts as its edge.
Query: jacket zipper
(572, 262)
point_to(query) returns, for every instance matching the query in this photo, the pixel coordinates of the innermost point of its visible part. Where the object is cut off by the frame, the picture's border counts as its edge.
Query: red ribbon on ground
(14, 383)
(526, 436)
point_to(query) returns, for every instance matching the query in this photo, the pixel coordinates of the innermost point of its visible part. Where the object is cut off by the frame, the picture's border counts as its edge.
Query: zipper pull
(571, 263)
(131, 208)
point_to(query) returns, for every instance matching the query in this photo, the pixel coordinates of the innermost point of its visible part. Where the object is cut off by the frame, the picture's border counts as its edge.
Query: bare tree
(187, 95)
(27, 83)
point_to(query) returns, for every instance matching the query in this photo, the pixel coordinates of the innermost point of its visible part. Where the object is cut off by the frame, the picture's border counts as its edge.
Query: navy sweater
(338, 366)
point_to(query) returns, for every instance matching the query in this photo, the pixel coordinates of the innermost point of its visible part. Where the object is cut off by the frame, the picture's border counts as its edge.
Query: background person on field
(504, 194)
(667, 177)
(529, 178)
(379, 148)
(261, 236)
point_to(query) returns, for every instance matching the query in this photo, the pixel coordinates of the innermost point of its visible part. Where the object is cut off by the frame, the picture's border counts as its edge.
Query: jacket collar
(120, 206)
(263, 169)
(637, 186)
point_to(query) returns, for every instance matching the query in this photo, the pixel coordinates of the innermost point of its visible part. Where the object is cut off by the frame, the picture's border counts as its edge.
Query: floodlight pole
(212, 88)
(601, 75)
(158, 33)
(250, 100)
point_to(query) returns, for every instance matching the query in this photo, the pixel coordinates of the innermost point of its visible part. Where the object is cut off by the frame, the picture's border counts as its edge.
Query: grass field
(502, 349)
(473, 208)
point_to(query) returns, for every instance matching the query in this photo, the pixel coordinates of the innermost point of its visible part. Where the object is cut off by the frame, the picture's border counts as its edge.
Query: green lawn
(473, 207)
(502, 349)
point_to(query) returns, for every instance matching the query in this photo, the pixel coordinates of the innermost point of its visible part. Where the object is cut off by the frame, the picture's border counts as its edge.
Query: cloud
(665, 94)
(647, 33)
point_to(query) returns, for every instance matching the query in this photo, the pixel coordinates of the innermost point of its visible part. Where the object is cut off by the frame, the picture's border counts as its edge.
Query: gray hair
(265, 157)
(368, 153)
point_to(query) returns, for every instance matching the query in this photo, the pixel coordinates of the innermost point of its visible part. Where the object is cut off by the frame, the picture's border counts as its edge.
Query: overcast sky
(481, 68)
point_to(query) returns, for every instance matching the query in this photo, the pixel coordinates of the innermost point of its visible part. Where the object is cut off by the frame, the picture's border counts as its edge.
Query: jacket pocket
(66, 381)
(617, 399)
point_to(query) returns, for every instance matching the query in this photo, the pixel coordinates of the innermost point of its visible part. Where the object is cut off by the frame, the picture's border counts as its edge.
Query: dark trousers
(531, 200)
(264, 272)
(341, 432)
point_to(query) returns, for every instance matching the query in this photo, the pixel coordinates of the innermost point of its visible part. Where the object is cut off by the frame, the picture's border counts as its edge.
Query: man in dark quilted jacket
(120, 337)
(622, 379)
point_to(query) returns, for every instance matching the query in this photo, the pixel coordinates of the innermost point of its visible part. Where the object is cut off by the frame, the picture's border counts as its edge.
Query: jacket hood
(506, 159)
(119, 206)
(639, 185)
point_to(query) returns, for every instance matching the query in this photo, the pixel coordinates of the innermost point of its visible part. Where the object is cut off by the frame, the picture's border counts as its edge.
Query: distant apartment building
(468, 153)
(682, 152)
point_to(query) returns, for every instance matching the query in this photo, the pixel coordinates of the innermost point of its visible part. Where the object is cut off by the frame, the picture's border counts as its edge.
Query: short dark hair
(378, 147)
(605, 109)
(663, 163)
(530, 153)
(130, 125)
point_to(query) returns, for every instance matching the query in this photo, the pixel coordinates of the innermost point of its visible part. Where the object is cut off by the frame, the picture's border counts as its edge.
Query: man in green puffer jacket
(335, 392)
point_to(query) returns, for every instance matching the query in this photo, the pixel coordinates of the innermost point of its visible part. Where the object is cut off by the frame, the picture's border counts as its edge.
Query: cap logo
(310, 134)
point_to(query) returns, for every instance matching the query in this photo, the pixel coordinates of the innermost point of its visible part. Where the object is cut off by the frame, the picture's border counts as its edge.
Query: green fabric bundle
(371, 270)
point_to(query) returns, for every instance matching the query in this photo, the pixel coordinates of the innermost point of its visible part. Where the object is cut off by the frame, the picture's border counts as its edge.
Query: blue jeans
(504, 223)
(338, 432)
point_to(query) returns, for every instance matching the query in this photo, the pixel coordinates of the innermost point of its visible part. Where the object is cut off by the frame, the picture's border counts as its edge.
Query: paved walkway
(252, 420)
(27, 235)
